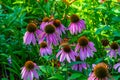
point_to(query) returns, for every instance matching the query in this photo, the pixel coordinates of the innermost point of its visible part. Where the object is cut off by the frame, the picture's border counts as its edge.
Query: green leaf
(4, 79)
(73, 63)
(75, 76)
(57, 76)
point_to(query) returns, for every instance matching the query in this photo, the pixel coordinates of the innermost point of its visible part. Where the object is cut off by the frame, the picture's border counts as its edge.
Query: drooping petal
(68, 58)
(62, 57)
(33, 39)
(91, 45)
(59, 53)
(116, 66)
(35, 74)
(31, 75)
(77, 47)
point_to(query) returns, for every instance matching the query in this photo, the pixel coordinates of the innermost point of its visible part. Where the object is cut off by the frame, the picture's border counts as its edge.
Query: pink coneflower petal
(119, 51)
(119, 69)
(91, 45)
(38, 34)
(35, 74)
(77, 47)
(82, 56)
(33, 39)
(58, 54)
(68, 58)
(31, 75)
(116, 66)
(62, 57)
(26, 75)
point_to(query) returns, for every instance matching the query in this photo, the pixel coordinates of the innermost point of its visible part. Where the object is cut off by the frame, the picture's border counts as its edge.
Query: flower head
(29, 35)
(113, 50)
(100, 71)
(29, 70)
(76, 25)
(50, 35)
(66, 52)
(45, 49)
(85, 48)
(59, 26)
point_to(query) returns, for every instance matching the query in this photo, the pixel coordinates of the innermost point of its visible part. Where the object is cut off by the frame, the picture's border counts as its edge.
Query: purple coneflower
(45, 22)
(45, 49)
(66, 52)
(114, 48)
(29, 35)
(117, 66)
(100, 72)
(29, 71)
(85, 47)
(76, 25)
(59, 27)
(50, 34)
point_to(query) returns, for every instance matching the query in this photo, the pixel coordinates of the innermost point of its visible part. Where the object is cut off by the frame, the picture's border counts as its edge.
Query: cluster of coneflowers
(49, 34)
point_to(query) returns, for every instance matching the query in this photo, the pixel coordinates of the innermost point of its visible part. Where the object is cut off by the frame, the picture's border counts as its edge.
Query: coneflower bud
(31, 27)
(114, 45)
(105, 42)
(74, 18)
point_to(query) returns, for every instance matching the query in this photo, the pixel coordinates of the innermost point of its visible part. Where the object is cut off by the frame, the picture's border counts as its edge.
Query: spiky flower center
(66, 48)
(74, 18)
(104, 42)
(29, 65)
(43, 44)
(31, 27)
(56, 23)
(77, 58)
(46, 19)
(114, 45)
(49, 28)
(83, 41)
(101, 70)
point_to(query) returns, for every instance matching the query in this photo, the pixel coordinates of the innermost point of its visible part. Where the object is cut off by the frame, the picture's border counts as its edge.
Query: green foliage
(102, 22)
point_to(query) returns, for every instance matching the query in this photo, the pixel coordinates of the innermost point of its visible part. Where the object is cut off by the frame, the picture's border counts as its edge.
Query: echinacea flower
(45, 49)
(76, 25)
(117, 66)
(59, 26)
(100, 72)
(29, 71)
(113, 50)
(85, 48)
(79, 66)
(50, 35)
(29, 36)
(45, 22)
(66, 53)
